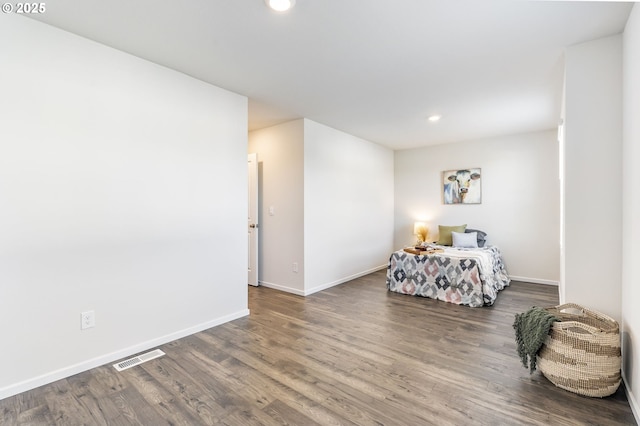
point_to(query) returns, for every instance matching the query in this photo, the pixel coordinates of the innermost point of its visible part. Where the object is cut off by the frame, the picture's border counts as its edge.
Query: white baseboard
(360, 274)
(322, 286)
(635, 409)
(62, 373)
(534, 280)
(343, 280)
(282, 288)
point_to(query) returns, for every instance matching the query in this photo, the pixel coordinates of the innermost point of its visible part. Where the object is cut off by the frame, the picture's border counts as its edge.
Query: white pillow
(465, 240)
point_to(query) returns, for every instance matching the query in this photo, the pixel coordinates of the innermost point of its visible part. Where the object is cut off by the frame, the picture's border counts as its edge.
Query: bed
(464, 276)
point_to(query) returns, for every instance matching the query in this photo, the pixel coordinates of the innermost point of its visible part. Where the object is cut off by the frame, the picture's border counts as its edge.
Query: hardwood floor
(352, 354)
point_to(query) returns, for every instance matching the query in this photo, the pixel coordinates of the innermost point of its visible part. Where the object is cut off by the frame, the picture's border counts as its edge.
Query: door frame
(252, 223)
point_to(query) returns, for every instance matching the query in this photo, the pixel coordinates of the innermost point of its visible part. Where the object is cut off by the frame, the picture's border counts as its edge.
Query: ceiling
(375, 69)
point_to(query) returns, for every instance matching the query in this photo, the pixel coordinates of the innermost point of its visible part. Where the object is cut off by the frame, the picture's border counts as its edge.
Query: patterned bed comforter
(463, 276)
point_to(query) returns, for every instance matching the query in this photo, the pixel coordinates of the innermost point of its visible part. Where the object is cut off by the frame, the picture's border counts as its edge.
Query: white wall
(631, 210)
(520, 198)
(122, 190)
(348, 204)
(281, 234)
(593, 176)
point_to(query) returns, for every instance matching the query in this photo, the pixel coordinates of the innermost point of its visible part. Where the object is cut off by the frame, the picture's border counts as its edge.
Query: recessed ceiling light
(434, 118)
(280, 5)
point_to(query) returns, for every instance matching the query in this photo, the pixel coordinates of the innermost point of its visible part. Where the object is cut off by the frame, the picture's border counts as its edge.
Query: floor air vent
(136, 360)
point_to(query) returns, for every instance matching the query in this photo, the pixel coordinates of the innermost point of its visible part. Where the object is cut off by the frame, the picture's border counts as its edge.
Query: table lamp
(420, 231)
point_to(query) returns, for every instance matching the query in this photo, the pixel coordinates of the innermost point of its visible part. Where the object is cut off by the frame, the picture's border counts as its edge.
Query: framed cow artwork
(462, 186)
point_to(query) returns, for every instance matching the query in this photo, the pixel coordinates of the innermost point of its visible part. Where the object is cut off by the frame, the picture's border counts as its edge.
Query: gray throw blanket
(532, 329)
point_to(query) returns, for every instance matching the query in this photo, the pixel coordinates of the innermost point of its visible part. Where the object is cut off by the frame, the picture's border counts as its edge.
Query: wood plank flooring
(354, 354)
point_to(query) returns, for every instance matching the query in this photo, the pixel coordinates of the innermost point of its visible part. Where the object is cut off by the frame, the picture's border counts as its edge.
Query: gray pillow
(482, 236)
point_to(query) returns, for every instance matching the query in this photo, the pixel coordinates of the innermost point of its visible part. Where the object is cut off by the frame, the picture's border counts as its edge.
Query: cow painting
(462, 186)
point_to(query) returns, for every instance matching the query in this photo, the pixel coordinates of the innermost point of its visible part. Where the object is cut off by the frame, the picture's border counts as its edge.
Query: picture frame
(462, 186)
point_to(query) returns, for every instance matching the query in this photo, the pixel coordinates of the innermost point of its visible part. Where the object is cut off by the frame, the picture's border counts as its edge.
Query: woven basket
(582, 352)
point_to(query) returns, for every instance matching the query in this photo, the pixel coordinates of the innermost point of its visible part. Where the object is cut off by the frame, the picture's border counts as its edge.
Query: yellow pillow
(444, 233)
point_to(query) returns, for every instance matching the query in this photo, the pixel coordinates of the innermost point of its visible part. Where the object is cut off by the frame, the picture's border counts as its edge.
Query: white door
(253, 219)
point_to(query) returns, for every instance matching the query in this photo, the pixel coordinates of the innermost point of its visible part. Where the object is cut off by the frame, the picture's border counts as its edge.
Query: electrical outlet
(87, 320)
(295, 266)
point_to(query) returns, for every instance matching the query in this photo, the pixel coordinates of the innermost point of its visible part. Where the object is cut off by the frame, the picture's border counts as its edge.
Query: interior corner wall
(280, 151)
(520, 207)
(123, 191)
(592, 175)
(348, 204)
(631, 210)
